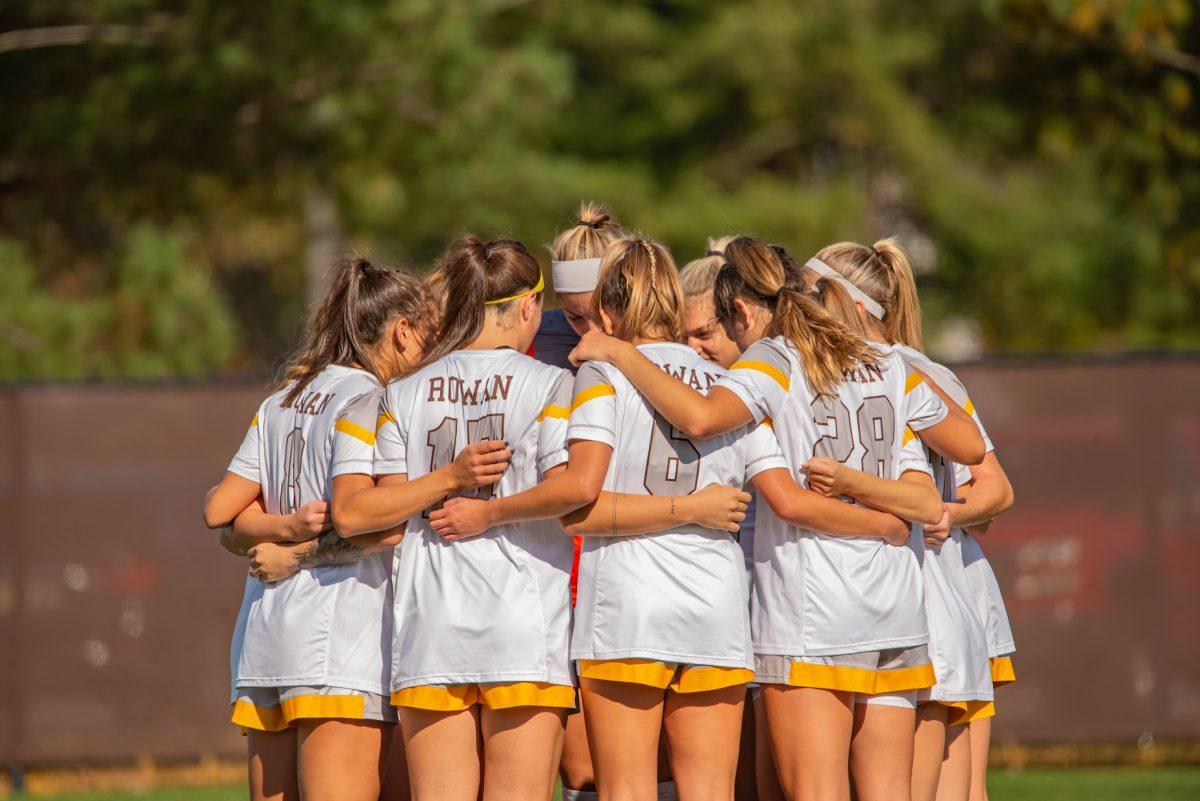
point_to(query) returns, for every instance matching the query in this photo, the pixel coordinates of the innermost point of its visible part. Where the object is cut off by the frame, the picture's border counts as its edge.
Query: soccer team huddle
(701, 534)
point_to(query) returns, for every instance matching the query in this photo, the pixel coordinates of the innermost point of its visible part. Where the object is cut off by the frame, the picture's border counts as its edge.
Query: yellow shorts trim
(352, 707)
(505, 695)
(259, 718)
(662, 675)
(860, 680)
(964, 712)
(1003, 671)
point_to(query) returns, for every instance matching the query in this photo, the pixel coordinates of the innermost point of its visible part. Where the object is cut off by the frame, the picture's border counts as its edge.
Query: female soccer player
(756, 775)
(833, 617)
(310, 695)
(878, 293)
(661, 628)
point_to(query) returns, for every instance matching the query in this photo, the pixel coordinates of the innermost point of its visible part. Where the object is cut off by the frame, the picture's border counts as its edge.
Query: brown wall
(116, 604)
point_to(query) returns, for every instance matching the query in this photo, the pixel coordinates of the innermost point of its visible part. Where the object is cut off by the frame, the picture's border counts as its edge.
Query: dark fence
(116, 604)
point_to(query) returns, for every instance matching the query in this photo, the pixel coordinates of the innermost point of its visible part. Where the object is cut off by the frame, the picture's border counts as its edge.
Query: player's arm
(695, 415)
(912, 497)
(361, 506)
(616, 514)
(255, 526)
(815, 512)
(563, 489)
(957, 437)
(273, 562)
(985, 497)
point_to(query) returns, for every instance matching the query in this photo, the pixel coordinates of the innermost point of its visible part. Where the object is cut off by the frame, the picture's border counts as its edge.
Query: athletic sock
(579, 795)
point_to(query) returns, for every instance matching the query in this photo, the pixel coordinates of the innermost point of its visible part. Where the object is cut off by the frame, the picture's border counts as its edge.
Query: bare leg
(765, 774)
(575, 768)
(703, 730)
(623, 725)
(881, 752)
(521, 749)
(744, 780)
(339, 760)
(928, 750)
(395, 773)
(981, 740)
(443, 748)
(271, 757)
(956, 772)
(810, 732)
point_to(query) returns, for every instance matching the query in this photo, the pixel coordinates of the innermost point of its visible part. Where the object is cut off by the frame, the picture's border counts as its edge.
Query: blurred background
(175, 177)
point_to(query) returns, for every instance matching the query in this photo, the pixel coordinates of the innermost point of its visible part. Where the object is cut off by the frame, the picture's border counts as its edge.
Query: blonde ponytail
(639, 289)
(885, 274)
(755, 271)
(594, 230)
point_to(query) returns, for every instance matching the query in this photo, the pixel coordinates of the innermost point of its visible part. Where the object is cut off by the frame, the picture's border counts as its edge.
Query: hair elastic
(576, 275)
(825, 271)
(541, 284)
(593, 225)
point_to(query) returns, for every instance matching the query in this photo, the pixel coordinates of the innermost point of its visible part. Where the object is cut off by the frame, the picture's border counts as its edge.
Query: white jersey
(985, 589)
(325, 626)
(816, 594)
(493, 608)
(677, 595)
(957, 630)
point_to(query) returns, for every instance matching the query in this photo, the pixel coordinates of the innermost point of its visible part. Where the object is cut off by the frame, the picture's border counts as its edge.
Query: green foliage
(1038, 156)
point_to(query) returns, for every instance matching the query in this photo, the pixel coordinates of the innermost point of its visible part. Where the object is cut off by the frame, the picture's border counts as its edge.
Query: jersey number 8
(672, 461)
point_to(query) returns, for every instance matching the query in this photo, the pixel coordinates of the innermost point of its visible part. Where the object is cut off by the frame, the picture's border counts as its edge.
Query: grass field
(1062, 784)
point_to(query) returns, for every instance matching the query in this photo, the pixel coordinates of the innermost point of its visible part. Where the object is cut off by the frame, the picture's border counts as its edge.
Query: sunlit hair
(361, 303)
(885, 274)
(698, 275)
(595, 229)
(755, 272)
(836, 300)
(639, 289)
(472, 274)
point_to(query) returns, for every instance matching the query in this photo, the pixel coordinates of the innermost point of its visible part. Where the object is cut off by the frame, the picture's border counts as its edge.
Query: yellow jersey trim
(560, 412)
(969, 407)
(502, 695)
(766, 369)
(355, 430)
(384, 417)
(909, 436)
(253, 421)
(591, 393)
(703, 678)
(964, 712)
(860, 680)
(914, 380)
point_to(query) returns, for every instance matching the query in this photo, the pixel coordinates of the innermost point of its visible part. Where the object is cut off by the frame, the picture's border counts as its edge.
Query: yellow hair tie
(541, 284)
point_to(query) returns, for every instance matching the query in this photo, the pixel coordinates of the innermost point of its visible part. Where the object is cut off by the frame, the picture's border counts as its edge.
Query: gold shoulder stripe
(765, 369)
(561, 412)
(355, 430)
(914, 379)
(254, 422)
(384, 417)
(591, 393)
(969, 407)
(909, 436)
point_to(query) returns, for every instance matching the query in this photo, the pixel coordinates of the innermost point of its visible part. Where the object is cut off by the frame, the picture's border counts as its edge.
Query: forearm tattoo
(330, 549)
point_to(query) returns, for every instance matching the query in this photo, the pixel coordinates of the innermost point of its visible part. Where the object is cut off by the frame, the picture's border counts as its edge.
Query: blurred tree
(1037, 156)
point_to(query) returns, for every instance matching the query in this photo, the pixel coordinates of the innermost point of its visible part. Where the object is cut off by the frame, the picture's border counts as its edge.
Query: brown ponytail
(756, 272)
(639, 288)
(834, 298)
(594, 230)
(352, 319)
(885, 274)
(473, 273)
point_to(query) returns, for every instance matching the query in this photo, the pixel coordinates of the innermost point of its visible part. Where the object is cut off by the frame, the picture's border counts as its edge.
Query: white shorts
(277, 708)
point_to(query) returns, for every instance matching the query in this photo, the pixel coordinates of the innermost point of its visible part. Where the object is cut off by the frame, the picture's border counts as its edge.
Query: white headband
(577, 275)
(825, 271)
